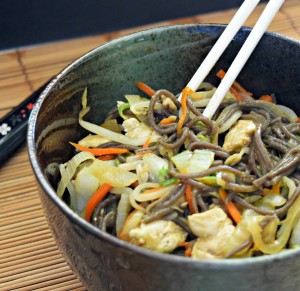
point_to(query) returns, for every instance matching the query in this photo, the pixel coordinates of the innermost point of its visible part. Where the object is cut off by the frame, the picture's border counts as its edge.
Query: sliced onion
(141, 197)
(123, 210)
(289, 112)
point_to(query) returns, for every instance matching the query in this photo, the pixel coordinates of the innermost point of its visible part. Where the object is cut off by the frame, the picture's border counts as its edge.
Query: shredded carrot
(95, 199)
(107, 157)
(221, 74)
(276, 188)
(188, 248)
(134, 184)
(188, 251)
(237, 95)
(100, 151)
(267, 98)
(186, 91)
(240, 88)
(168, 120)
(143, 153)
(265, 191)
(189, 199)
(298, 119)
(152, 190)
(145, 88)
(147, 142)
(233, 211)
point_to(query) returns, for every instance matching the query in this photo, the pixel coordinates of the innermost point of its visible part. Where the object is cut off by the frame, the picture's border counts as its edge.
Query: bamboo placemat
(29, 258)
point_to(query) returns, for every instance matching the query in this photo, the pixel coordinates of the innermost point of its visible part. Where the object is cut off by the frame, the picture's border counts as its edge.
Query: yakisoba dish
(160, 175)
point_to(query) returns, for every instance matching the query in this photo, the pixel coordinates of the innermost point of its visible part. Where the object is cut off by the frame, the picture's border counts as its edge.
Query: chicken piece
(213, 229)
(161, 236)
(239, 136)
(212, 247)
(208, 223)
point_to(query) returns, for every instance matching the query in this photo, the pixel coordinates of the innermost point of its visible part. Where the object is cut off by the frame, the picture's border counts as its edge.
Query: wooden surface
(29, 258)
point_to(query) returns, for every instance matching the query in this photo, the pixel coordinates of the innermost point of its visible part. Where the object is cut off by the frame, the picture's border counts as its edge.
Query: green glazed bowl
(163, 57)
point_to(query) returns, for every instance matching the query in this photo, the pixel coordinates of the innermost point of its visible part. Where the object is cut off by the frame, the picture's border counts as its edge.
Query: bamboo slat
(29, 257)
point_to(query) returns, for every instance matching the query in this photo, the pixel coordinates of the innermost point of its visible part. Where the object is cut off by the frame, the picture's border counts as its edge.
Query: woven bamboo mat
(29, 258)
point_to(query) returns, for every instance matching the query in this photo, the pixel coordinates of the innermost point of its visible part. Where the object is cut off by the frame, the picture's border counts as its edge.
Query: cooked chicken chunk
(212, 247)
(213, 229)
(208, 223)
(162, 236)
(239, 136)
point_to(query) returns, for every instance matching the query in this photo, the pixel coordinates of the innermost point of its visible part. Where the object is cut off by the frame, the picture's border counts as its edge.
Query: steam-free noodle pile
(221, 188)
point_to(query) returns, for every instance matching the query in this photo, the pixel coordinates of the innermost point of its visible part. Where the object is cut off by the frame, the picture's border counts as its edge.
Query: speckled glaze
(164, 57)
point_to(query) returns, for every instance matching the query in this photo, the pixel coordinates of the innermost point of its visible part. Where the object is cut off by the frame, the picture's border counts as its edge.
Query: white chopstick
(254, 37)
(221, 44)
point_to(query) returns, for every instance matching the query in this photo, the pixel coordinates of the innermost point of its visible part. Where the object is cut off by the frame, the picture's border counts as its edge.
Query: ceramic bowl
(163, 57)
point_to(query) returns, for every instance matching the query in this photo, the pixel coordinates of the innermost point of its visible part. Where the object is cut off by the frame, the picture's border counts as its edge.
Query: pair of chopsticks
(243, 55)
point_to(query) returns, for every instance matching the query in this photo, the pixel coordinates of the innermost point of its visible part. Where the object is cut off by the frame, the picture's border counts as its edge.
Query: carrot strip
(276, 188)
(265, 191)
(107, 157)
(143, 152)
(95, 199)
(185, 92)
(221, 74)
(168, 120)
(266, 98)
(147, 142)
(298, 119)
(134, 184)
(145, 88)
(233, 211)
(189, 199)
(100, 151)
(237, 95)
(188, 248)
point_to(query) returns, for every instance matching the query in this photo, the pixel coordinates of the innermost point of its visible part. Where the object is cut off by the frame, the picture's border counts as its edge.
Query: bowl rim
(75, 218)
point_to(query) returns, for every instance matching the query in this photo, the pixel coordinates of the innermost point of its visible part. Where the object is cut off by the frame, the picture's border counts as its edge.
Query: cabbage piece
(85, 186)
(114, 176)
(270, 201)
(193, 162)
(136, 130)
(156, 165)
